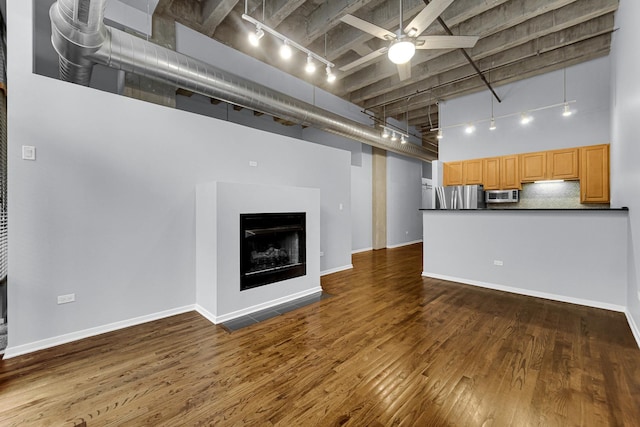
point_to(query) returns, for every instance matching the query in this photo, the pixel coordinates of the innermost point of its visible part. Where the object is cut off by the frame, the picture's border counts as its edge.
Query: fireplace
(272, 248)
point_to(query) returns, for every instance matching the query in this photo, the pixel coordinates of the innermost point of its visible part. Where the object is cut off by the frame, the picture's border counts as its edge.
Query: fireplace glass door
(272, 248)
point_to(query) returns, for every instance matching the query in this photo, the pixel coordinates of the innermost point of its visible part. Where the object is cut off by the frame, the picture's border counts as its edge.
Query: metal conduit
(81, 40)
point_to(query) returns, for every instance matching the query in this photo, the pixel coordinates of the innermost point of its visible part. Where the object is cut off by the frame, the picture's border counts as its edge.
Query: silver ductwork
(81, 40)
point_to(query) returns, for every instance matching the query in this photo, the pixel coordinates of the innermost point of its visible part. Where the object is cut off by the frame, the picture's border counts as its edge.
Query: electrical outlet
(498, 262)
(64, 299)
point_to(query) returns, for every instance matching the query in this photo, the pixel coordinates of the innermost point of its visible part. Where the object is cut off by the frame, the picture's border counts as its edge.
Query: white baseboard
(235, 314)
(86, 333)
(337, 269)
(357, 251)
(634, 327)
(528, 292)
(399, 245)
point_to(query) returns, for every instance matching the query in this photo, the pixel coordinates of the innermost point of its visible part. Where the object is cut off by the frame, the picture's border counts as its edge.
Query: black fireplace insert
(272, 248)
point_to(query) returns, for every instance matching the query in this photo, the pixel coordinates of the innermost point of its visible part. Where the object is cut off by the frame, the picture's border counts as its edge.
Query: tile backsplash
(553, 195)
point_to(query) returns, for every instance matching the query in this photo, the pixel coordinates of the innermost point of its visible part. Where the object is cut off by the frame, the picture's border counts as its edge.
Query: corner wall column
(379, 199)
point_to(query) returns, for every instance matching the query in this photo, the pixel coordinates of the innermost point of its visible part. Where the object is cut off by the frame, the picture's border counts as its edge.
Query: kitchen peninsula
(572, 255)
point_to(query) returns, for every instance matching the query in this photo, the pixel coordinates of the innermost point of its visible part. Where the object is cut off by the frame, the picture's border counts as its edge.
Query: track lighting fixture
(310, 68)
(394, 134)
(254, 37)
(440, 135)
(469, 129)
(492, 124)
(525, 118)
(567, 110)
(286, 50)
(330, 76)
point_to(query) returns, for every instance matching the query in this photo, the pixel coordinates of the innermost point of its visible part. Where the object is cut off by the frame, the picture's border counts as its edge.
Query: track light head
(492, 124)
(385, 133)
(394, 137)
(567, 111)
(525, 118)
(440, 135)
(469, 129)
(254, 37)
(403, 140)
(330, 76)
(285, 50)
(310, 68)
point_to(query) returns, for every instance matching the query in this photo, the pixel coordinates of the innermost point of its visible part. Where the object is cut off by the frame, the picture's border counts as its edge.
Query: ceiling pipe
(82, 40)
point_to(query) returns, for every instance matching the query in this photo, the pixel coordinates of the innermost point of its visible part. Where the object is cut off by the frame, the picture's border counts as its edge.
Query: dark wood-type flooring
(389, 348)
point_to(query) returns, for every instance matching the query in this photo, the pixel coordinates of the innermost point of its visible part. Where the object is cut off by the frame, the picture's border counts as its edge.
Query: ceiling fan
(405, 42)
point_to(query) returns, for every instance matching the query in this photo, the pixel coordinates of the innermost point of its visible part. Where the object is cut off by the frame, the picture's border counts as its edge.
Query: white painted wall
(625, 149)
(574, 256)
(218, 209)
(107, 210)
(587, 83)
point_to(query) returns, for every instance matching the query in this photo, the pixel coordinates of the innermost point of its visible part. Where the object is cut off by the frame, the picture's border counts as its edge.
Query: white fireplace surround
(218, 209)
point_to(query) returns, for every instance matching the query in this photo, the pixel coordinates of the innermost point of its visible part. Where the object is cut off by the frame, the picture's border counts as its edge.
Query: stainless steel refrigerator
(460, 197)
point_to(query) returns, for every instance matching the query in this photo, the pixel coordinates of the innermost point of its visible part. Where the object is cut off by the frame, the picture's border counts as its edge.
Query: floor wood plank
(389, 348)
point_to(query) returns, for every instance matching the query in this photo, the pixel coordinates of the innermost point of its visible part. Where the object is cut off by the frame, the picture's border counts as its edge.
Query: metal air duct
(81, 40)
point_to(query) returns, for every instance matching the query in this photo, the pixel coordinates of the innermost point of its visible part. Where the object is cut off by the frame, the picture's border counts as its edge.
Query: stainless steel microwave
(501, 196)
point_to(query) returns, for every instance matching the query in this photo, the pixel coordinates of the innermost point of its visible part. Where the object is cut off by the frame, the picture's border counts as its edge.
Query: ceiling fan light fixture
(401, 51)
(385, 133)
(254, 37)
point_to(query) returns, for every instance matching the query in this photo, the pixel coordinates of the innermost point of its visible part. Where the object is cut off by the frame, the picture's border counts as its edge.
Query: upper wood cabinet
(533, 166)
(452, 173)
(472, 172)
(594, 174)
(510, 172)
(563, 164)
(491, 173)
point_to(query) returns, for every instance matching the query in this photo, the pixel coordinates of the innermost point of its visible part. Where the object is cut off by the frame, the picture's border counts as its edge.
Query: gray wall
(574, 256)
(625, 149)
(107, 210)
(404, 199)
(587, 84)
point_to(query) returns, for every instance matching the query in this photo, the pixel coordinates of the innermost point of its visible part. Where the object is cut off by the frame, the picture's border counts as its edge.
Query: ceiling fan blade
(366, 58)
(368, 27)
(446, 42)
(404, 71)
(426, 17)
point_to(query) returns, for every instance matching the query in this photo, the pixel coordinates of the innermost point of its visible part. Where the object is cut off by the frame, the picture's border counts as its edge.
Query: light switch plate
(28, 152)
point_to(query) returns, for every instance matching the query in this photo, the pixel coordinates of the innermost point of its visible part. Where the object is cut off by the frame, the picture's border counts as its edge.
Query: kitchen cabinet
(533, 166)
(563, 164)
(594, 174)
(452, 173)
(510, 172)
(491, 173)
(472, 172)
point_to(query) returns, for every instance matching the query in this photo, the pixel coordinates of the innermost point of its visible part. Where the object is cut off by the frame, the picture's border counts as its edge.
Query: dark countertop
(622, 209)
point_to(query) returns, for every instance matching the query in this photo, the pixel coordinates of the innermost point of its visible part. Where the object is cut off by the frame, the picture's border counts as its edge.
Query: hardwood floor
(389, 348)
